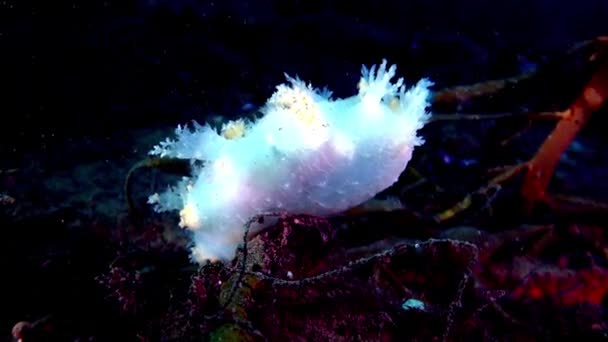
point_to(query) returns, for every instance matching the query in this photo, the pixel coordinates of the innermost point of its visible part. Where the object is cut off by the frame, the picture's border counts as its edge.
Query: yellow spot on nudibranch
(300, 103)
(189, 217)
(394, 104)
(234, 129)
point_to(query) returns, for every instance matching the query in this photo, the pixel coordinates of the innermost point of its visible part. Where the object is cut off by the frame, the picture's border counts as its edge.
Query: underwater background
(469, 244)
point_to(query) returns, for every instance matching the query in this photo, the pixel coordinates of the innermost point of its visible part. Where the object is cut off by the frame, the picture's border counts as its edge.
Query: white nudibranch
(308, 154)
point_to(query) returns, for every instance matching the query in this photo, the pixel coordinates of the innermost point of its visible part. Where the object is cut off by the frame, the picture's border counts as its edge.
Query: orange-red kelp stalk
(541, 167)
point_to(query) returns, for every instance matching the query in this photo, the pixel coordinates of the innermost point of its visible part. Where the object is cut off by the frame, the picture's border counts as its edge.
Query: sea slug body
(308, 154)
